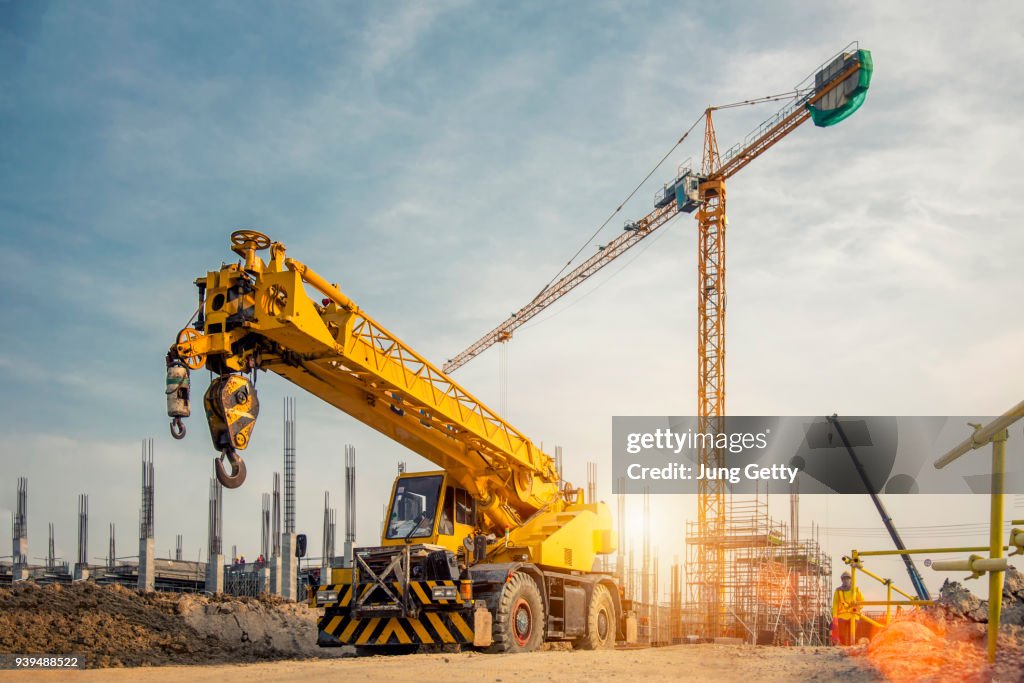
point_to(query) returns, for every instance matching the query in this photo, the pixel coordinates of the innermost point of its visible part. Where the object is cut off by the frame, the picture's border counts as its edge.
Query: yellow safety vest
(843, 602)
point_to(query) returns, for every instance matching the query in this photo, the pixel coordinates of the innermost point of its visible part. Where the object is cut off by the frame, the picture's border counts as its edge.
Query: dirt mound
(921, 647)
(115, 626)
(957, 602)
(947, 642)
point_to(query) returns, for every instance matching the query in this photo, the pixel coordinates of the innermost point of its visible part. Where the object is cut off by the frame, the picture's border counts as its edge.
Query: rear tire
(600, 621)
(519, 620)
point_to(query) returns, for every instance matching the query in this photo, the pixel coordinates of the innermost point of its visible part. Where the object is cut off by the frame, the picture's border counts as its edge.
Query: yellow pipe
(982, 435)
(882, 581)
(928, 551)
(908, 596)
(995, 578)
(888, 603)
(856, 608)
(975, 564)
(322, 285)
(872, 621)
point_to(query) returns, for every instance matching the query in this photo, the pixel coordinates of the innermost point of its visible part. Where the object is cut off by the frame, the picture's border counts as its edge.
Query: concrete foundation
(289, 568)
(19, 572)
(215, 574)
(147, 572)
(81, 572)
(631, 628)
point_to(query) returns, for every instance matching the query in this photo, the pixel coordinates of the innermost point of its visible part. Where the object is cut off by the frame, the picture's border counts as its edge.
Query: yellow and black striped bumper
(432, 628)
(421, 591)
(440, 622)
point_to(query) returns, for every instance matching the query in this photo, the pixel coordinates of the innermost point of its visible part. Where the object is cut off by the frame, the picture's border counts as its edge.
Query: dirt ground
(694, 662)
(114, 627)
(167, 636)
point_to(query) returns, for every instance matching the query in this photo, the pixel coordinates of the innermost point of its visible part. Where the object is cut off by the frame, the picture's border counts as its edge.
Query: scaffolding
(776, 589)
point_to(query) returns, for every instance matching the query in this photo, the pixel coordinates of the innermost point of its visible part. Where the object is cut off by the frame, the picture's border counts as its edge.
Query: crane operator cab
(684, 190)
(427, 510)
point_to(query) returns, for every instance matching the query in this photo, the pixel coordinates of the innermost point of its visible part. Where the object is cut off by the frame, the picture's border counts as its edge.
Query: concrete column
(215, 574)
(274, 567)
(347, 560)
(19, 563)
(289, 567)
(81, 572)
(263, 582)
(147, 571)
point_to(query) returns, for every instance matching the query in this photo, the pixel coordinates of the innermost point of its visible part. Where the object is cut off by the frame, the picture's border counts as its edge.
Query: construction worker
(844, 609)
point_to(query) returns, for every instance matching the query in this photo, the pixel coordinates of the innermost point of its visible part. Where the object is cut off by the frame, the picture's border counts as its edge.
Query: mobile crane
(488, 551)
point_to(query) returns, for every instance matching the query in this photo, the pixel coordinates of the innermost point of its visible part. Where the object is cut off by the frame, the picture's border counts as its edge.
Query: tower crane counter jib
(492, 522)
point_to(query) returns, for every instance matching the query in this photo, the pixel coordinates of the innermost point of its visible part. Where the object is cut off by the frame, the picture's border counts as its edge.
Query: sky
(441, 161)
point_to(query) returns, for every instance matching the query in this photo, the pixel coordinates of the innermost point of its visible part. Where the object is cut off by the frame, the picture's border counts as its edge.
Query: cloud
(442, 161)
(394, 34)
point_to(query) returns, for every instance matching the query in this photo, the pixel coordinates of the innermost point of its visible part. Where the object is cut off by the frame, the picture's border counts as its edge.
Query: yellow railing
(995, 433)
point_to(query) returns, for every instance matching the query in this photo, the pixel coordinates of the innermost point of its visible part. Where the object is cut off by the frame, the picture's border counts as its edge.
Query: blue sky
(441, 161)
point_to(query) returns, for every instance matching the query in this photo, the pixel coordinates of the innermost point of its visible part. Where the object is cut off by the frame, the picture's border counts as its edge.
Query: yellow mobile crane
(487, 551)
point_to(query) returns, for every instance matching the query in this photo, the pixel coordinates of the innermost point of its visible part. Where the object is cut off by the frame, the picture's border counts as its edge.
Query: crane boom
(735, 158)
(915, 576)
(257, 315)
(630, 237)
(489, 551)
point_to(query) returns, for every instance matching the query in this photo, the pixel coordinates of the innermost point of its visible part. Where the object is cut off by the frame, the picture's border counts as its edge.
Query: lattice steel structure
(775, 590)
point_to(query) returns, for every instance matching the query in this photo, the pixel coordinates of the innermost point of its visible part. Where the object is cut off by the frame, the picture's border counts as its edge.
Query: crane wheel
(237, 476)
(519, 620)
(600, 622)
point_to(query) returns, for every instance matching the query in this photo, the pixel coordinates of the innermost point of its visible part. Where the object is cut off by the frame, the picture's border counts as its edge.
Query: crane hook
(237, 476)
(177, 428)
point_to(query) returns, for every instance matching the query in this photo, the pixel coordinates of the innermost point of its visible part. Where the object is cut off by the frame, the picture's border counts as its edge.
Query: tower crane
(832, 92)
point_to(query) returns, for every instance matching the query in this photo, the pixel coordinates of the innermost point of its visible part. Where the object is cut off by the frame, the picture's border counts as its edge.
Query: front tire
(600, 621)
(519, 620)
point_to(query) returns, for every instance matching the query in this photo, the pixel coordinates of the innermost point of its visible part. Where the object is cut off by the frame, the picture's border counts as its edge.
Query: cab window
(463, 507)
(457, 506)
(414, 507)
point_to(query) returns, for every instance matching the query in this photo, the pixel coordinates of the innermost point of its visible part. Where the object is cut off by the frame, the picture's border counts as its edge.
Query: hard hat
(845, 575)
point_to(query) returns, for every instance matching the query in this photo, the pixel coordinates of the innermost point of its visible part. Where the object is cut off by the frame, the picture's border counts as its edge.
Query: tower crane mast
(832, 92)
